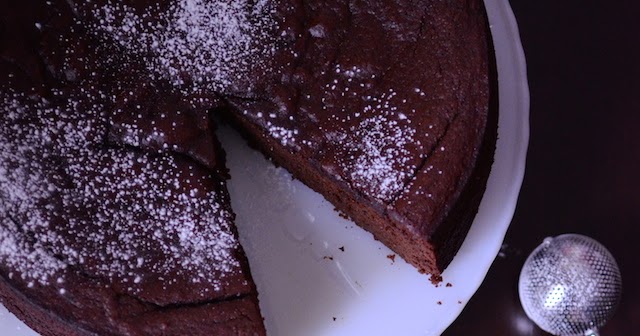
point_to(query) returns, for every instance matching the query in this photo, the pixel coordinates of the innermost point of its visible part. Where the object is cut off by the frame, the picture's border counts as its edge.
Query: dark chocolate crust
(384, 108)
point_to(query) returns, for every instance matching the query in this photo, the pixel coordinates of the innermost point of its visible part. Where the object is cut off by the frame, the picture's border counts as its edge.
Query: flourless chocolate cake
(114, 213)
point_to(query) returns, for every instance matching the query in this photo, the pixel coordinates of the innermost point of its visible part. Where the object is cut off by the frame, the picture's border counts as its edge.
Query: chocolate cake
(114, 213)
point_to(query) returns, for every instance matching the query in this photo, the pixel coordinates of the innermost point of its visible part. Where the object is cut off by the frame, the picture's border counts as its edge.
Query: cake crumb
(448, 284)
(439, 302)
(341, 248)
(392, 257)
(342, 214)
(327, 257)
(435, 279)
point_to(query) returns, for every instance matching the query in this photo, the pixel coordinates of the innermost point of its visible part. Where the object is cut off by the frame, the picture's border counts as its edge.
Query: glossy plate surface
(319, 274)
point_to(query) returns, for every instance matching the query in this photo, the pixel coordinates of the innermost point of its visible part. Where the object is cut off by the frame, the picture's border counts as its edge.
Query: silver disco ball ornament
(570, 285)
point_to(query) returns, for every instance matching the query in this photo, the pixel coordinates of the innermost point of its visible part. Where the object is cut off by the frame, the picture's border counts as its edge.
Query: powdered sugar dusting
(66, 199)
(383, 156)
(284, 135)
(27, 136)
(131, 134)
(376, 150)
(206, 44)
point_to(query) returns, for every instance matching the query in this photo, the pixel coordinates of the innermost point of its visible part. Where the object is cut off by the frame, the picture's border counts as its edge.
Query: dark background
(583, 164)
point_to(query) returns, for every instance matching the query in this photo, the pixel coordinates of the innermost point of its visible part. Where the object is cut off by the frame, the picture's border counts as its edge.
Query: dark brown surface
(582, 176)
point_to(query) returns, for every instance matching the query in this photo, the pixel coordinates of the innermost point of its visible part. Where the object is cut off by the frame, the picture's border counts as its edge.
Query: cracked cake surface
(114, 213)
